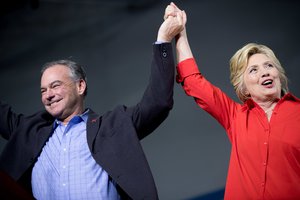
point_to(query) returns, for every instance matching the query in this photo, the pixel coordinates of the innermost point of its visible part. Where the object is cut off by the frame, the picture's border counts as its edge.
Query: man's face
(61, 95)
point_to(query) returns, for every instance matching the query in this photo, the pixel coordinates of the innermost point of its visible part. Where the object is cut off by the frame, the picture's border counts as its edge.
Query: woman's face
(261, 79)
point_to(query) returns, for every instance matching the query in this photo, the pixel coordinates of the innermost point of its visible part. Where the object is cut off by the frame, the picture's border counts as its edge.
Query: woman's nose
(264, 72)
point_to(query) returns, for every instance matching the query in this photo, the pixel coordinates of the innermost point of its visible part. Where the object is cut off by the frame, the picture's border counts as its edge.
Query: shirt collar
(249, 104)
(290, 96)
(83, 117)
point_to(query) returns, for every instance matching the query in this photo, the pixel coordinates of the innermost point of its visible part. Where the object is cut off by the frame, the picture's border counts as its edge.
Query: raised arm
(206, 95)
(183, 49)
(157, 100)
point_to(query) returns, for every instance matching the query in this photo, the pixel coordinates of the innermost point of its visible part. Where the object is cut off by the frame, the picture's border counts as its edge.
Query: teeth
(267, 82)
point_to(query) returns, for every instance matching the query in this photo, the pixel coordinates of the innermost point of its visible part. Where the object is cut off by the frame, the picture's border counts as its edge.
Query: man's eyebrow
(56, 81)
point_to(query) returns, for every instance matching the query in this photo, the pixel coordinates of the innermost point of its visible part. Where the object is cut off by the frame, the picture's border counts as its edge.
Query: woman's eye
(252, 70)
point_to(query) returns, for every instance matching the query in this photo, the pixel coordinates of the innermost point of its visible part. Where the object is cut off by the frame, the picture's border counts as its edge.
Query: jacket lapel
(92, 129)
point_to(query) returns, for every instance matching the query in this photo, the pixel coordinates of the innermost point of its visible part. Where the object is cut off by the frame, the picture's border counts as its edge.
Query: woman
(264, 130)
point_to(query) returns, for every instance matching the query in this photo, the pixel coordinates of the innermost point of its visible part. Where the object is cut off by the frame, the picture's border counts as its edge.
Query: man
(69, 152)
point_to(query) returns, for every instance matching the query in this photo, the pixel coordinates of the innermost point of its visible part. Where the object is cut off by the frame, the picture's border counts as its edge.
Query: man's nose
(49, 94)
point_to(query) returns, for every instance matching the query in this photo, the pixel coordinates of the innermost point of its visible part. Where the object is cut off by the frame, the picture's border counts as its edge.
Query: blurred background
(112, 39)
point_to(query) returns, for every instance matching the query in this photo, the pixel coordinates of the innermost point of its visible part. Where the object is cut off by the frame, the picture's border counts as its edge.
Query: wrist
(163, 38)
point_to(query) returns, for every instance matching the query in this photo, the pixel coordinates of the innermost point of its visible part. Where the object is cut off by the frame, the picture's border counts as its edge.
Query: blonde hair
(238, 64)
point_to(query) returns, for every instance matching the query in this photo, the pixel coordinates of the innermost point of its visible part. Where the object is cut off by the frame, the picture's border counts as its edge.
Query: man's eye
(55, 86)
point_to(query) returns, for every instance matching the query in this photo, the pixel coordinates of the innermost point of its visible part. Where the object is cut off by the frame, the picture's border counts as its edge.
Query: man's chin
(55, 114)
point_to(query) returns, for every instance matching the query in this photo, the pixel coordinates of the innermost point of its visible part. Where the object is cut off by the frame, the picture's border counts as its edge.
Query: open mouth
(267, 82)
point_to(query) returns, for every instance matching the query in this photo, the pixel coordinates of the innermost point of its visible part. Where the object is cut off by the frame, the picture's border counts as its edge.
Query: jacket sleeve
(157, 100)
(8, 120)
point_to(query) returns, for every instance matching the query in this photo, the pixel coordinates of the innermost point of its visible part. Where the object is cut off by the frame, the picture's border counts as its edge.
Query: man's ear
(81, 87)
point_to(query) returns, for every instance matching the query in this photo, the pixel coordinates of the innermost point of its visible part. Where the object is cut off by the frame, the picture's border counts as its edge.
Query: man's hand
(175, 20)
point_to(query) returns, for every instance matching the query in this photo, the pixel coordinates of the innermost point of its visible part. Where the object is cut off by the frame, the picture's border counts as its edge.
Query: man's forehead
(56, 70)
(55, 73)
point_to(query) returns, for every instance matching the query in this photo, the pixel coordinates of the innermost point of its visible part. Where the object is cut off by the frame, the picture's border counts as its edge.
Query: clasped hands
(174, 23)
